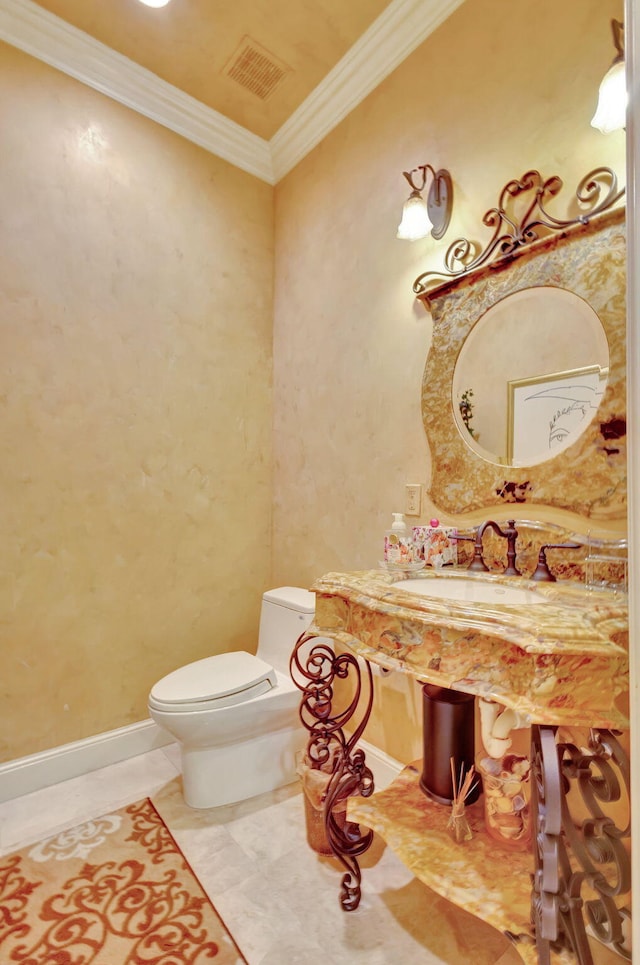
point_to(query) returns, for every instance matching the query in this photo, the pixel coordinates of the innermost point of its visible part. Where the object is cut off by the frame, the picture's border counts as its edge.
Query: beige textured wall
(135, 360)
(489, 96)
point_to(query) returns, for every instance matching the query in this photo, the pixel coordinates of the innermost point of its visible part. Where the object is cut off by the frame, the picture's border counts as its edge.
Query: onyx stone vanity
(524, 409)
(555, 653)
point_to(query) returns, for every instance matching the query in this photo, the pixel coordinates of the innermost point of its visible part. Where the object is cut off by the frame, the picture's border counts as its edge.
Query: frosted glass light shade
(155, 3)
(611, 111)
(415, 222)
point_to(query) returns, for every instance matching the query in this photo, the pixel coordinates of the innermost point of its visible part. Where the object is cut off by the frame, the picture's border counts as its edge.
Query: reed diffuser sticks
(462, 788)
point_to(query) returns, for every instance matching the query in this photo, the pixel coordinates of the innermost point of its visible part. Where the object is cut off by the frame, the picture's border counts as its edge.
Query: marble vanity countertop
(561, 661)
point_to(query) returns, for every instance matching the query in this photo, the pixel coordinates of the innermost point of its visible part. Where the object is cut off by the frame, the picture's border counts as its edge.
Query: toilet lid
(227, 678)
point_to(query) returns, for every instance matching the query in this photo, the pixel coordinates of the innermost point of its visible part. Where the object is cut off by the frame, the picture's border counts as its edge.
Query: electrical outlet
(412, 499)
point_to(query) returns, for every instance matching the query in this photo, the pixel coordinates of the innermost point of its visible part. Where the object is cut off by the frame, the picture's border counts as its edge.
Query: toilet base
(213, 776)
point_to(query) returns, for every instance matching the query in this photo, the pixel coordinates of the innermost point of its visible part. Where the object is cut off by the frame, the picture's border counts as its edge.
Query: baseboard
(37, 771)
(61, 763)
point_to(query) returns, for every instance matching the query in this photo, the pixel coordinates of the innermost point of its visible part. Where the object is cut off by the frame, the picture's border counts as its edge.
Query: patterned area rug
(113, 891)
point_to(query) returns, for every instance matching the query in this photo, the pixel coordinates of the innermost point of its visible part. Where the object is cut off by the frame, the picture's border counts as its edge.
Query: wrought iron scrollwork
(315, 669)
(515, 229)
(581, 862)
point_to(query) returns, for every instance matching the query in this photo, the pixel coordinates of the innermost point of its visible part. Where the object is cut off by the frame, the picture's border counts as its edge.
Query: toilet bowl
(235, 715)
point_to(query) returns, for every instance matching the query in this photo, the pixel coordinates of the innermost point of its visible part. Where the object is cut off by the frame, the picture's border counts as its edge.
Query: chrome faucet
(510, 533)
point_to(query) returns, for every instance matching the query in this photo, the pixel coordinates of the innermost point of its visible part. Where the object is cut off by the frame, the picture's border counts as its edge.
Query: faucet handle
(542, 572)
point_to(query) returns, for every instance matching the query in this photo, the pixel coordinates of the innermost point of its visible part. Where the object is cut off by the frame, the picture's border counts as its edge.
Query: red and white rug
(113, 891)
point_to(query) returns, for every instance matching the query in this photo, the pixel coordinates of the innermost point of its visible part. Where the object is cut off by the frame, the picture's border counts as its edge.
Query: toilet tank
(286, 613)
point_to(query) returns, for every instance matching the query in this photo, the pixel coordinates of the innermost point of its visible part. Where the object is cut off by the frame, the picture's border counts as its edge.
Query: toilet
(235, 715)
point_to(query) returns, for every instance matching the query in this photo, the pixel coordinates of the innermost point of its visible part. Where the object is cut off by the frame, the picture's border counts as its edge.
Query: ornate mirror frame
(586, 255)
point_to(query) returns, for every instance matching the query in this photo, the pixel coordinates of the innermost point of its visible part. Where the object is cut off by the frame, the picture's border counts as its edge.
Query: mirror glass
(530, 376)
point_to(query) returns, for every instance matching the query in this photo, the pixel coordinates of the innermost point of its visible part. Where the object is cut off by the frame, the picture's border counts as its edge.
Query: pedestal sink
(471, 591)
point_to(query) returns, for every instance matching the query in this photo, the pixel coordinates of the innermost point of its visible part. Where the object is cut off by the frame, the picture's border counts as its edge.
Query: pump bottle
(397, 545)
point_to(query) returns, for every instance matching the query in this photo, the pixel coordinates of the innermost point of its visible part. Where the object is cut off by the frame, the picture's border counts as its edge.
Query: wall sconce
(611, 111)
(419, 217)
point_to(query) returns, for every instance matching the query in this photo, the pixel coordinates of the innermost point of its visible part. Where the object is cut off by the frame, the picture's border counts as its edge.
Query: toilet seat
(223, 680)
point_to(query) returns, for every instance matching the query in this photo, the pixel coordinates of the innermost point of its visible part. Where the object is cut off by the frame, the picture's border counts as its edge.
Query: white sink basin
(471, 591)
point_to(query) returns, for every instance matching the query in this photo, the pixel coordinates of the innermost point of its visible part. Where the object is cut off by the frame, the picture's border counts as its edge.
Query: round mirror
(530, 376)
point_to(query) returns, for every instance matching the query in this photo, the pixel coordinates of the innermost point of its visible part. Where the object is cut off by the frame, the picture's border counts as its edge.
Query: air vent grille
(256, 69)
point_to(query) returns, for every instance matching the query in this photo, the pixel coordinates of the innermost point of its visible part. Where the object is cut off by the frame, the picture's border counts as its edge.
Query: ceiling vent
(255, 69)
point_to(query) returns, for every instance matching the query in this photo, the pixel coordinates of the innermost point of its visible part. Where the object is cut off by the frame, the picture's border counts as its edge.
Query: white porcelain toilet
(234, 715)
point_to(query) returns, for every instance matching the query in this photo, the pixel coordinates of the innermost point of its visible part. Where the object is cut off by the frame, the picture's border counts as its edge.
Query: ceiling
(195, 44)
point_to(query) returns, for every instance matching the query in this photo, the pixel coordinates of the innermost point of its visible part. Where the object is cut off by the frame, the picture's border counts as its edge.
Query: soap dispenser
(397, 546)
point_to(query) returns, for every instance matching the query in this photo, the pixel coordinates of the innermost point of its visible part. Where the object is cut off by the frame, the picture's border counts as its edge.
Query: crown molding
(34, 30)
(396, 33)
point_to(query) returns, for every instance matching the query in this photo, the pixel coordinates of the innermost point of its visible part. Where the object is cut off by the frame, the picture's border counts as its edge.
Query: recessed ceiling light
(155, 3)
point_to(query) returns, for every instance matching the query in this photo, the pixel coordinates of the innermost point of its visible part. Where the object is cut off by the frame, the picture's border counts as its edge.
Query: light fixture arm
(617, 29)
(421, 169)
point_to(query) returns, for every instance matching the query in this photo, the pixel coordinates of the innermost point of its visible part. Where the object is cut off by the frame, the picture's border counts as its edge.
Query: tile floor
(278, 898)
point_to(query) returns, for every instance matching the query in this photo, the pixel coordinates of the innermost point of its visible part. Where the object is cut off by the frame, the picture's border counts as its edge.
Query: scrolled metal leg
(351, 776)
(315, 668)
(581, 863)
(547, 825)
